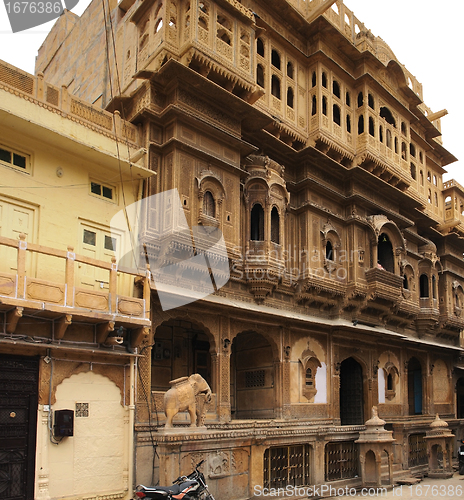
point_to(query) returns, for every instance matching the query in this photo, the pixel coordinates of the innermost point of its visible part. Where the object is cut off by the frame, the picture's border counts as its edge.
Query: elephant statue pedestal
(187, 393)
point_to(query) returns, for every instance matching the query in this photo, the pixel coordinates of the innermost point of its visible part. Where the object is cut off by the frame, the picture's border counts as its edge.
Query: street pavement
(427, 489)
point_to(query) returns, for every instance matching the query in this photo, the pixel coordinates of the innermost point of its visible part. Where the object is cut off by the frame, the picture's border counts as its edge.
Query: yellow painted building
(70, 318)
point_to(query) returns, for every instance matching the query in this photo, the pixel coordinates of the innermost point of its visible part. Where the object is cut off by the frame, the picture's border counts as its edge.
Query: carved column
(374, 253)
(285, 375)
(223, 371)
(336, 393)
(144, 403)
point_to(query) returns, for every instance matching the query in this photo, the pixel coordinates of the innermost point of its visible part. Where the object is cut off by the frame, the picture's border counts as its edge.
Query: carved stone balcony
(384, 286)
(264, 268)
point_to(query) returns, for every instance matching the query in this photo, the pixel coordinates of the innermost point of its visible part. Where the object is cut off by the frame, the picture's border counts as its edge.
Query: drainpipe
(131, 426)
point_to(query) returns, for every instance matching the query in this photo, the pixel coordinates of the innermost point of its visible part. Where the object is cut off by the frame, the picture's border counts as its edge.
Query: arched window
(385, 253)
(348, 99)
(360, 99)
(275, 59)
(380, 133)
(434, 287)
(386, 114)
(275, 86)
(371, 126)
(390, 382)
(313, 79)
(260, 47)
(405, 282)
(324, 105)
(424, 286)
(389, 139)
(361, 125)
(413, 171)
(209, 206)
(403, 128)
(290, 71)
(370, 100)
(224, 36)
(275, 226)
(403, 151)
(336, 88)
(412, 150)
(348, 124)
(290, 97)
(421, 176)
(336, 114)
(257, 223)
(329, 253)
(260, 75)
(314, 106)
(203, 7)
(324, 80)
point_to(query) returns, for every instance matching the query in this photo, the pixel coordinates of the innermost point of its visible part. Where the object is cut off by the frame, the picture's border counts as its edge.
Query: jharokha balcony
(106, 314)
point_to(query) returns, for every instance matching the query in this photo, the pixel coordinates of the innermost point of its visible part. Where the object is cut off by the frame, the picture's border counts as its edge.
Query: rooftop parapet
(35, 89)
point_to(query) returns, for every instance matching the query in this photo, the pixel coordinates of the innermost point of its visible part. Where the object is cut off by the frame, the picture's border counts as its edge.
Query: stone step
(409, 481)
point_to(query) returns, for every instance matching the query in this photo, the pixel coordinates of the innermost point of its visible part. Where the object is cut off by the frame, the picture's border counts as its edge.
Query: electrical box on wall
(64, 423)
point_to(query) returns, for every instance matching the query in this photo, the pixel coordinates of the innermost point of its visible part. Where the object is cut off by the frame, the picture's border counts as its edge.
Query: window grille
(254, 378)
(417, 450)
(287, 466)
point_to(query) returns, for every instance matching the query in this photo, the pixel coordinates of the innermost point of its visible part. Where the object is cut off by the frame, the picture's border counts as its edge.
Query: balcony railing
(63, 297)
(24, 84)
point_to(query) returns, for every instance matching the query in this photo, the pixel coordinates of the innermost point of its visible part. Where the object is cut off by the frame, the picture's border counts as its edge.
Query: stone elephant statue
(187, 393)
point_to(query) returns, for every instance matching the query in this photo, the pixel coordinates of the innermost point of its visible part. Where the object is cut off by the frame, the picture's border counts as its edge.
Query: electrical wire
(110, 29)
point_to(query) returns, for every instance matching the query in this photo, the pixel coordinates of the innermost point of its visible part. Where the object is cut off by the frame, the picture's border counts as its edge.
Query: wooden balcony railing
(22, 290)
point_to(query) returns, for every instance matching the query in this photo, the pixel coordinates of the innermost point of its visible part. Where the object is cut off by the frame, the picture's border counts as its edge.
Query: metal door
(18, 422)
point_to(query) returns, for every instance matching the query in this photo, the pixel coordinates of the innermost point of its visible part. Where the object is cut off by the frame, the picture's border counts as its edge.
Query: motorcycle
(461, 458)
(188, 487)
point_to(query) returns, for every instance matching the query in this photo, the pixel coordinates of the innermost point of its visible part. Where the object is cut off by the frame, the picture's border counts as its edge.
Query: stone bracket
(103, 330)
(12, 319)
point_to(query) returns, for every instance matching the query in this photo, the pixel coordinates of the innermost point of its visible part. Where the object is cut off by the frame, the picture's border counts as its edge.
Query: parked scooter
(461, 458)
(188, 487)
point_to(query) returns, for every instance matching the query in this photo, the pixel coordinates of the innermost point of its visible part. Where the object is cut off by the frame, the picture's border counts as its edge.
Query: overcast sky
(423, 34)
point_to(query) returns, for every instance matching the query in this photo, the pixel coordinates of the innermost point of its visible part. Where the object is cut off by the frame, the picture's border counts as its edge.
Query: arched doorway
(414, 387)
(180, 349)
(370, 467)
(351, 393)
(385, 253)
(460, 398)
(252, 393)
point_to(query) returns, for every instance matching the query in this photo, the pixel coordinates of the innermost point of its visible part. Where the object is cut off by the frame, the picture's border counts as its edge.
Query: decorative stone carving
(187, 393)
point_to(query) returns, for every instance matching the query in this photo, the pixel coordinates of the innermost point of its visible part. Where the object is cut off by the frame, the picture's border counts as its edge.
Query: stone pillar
(256, 474)
(169, 463)
(223, 372)
(336, 393)
(318, 468)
